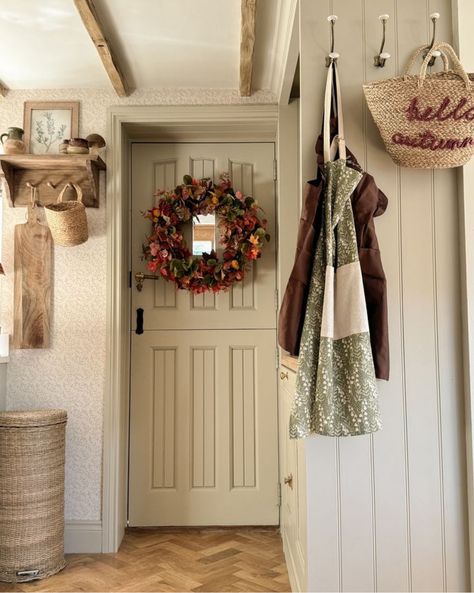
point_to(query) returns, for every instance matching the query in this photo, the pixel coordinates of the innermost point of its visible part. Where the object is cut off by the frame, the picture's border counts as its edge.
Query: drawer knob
(289, 481)
(283, 375)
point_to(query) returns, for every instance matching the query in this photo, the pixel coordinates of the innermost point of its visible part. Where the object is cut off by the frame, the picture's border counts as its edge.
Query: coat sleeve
(375, 289)
(293, 307)
(368, 201)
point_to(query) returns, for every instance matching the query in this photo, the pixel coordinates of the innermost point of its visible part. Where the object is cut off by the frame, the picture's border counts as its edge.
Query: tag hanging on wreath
(243, 234)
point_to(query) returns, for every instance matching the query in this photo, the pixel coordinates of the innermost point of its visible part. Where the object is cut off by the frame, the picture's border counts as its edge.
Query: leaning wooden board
(32, 290)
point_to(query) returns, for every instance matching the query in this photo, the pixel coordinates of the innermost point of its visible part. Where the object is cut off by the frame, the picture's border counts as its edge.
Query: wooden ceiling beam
(247, 42)
(92, 24)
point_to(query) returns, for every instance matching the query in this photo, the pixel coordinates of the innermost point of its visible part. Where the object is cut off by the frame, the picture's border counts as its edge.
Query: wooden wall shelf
(58, 169)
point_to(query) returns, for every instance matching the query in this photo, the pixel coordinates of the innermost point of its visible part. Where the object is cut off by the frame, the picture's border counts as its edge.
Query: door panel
(204, 428)
(247, 305)
(203, 416)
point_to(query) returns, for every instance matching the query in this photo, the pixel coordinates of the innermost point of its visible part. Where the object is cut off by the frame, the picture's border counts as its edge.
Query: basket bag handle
(457, 66)
(328, 149)
(417, 53)
(77, 189)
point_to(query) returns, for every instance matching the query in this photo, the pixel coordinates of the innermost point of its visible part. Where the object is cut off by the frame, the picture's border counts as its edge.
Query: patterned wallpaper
(71, 374)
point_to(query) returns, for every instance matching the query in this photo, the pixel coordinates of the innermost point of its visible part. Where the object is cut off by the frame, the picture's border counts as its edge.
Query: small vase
(12, 146)
(14, 143)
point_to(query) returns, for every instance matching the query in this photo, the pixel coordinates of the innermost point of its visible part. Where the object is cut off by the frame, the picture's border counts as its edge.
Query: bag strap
(77, 189)
(328, 148)
(457, 66)
(78, 192)
(416, 55)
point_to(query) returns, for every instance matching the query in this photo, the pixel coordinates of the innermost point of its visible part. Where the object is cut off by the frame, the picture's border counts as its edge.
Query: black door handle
(139, 328)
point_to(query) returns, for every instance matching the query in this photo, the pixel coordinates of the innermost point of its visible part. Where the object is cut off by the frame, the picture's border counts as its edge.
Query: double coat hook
(332, 56)
(382, 56)
(434, 16)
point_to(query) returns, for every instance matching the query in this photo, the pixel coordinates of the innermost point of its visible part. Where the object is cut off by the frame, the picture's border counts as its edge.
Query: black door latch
(139, 329)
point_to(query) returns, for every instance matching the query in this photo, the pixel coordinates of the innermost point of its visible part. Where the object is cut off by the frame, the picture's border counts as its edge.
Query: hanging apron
(336, 393)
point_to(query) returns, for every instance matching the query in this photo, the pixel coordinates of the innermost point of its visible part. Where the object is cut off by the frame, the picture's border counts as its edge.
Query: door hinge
(275, 170)
(279, 494)
(130, 279)
(277, 357)
(276, 299)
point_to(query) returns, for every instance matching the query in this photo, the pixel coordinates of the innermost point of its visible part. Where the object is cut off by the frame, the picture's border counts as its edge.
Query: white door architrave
(210, 123)
(463, 15)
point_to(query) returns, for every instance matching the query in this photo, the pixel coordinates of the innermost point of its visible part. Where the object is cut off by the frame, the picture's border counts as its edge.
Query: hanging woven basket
(67, 220)
(426, 121)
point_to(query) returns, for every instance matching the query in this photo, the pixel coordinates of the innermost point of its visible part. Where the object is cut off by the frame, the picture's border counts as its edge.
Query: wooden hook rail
(47, 173)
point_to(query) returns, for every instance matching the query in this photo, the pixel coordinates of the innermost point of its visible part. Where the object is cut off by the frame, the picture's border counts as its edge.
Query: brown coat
(367, 201)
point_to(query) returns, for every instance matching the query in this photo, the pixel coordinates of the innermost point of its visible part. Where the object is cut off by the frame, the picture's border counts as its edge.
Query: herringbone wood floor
(233, 559)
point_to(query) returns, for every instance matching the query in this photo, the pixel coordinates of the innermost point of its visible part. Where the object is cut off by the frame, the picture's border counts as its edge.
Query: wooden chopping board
(32, 286)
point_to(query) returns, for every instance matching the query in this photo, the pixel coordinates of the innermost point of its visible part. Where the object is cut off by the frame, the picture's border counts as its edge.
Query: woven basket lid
(32, 418)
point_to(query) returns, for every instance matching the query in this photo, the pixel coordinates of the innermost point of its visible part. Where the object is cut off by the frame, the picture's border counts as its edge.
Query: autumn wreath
(243, 234)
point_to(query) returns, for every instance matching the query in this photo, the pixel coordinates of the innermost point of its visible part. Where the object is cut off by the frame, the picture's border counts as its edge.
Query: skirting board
(290, 565)
(83, 537)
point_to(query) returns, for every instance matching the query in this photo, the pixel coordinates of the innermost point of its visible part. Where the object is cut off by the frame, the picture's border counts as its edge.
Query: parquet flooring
(227, 559)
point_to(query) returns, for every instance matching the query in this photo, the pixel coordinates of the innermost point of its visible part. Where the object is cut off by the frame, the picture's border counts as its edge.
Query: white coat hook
(332, 56)
(382, 56)
(434, 16)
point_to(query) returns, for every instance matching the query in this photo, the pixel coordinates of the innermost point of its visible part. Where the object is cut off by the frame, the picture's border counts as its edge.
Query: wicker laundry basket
(31, 494)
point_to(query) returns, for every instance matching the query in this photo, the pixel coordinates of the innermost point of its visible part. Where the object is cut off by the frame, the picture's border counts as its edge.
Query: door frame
(462, 15)
(210, 123)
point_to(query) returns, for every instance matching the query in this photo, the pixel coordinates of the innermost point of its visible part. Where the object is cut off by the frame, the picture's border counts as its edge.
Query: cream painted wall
(71, 373)
(388, 512)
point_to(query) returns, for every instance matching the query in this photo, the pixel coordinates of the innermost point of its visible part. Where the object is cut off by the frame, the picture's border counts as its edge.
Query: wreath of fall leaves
(242, 235)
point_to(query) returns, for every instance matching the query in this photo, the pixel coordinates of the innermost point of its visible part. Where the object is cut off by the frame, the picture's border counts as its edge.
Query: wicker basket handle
(78, 192)
(76, 187)
(457, 66)
(416, 55)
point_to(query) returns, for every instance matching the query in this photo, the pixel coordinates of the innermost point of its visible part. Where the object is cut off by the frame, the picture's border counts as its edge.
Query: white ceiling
(45, 46)
(159, 43)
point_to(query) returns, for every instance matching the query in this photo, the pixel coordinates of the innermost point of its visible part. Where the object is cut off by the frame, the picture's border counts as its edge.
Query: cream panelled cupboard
(293, 516)
(293, 487)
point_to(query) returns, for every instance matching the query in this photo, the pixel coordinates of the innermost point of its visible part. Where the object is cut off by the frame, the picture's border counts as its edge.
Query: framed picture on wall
(48, 123)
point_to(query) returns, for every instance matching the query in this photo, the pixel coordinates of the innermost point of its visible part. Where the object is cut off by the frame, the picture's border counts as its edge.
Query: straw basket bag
(31, 494)
(426, 120)
(67, 220)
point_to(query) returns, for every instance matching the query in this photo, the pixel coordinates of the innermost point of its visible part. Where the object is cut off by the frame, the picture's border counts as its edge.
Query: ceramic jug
(14, 143)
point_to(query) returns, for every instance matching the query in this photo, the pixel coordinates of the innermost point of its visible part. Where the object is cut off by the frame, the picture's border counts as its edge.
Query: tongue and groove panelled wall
(388, 512)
